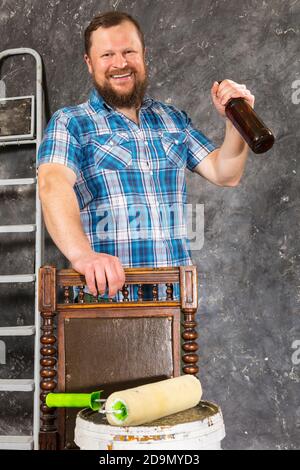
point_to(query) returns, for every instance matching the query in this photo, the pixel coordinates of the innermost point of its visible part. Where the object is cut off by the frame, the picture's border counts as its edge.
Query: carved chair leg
(190, 345)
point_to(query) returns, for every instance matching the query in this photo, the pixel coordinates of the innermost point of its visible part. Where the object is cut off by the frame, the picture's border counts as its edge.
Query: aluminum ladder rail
(27, 442)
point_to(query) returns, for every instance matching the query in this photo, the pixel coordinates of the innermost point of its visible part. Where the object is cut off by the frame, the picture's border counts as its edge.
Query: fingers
(232, 94)
(95, 279)
(115, 278)
(229, 89)
(90, 280)
(101, 271)
(215, 88)
(100, 279)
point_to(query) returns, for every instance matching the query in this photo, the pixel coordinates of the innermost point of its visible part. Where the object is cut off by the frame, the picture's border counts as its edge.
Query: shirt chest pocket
(175, 147)
(111, 152)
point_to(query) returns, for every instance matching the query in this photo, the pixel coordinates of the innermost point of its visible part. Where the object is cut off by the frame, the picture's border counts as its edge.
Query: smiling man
(112, 170)
(119, 73)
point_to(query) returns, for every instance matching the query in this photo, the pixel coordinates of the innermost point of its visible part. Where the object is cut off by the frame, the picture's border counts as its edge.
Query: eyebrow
(111, 51)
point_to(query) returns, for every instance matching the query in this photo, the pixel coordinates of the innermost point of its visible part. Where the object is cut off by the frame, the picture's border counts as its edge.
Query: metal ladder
(27, 385)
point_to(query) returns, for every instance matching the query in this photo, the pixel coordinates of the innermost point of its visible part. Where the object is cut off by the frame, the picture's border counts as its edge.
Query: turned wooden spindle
(125, 292)
(66, 294)
(189, 303)
(48, 436)
(155, 292)
(48, 371)
(169, 291)
(140, 292)
(190, 346)
(81, 295)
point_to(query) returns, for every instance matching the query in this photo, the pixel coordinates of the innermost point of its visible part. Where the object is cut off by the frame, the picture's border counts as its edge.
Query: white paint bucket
(200, 428)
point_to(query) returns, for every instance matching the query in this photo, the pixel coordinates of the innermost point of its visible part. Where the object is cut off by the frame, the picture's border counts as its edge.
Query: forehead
(116, 37)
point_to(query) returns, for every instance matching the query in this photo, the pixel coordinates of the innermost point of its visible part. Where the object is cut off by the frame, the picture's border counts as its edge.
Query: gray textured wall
(249, 266)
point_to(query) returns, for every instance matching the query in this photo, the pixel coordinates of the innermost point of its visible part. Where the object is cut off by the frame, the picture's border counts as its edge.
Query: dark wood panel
(114, 354)
(116, 351)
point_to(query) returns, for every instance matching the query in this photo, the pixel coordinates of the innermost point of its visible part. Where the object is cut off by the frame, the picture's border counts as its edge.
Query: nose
(119, 61)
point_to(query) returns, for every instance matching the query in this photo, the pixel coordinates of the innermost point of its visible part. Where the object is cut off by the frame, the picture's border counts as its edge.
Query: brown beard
(128, 100)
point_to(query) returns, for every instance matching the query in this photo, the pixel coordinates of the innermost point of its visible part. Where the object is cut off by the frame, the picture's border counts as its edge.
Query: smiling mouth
(122, 77)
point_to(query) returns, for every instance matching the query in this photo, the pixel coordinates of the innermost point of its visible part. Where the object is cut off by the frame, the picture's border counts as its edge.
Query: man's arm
(225, 165)
(62, 219)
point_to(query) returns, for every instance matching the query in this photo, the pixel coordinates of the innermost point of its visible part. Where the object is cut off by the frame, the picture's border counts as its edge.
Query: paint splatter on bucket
(201, 427)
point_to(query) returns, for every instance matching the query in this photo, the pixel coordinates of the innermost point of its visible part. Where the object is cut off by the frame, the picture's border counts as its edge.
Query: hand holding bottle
(236, 102)
(223, 91)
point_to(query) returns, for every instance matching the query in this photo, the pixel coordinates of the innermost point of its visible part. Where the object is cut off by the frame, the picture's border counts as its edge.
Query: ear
(88, 63)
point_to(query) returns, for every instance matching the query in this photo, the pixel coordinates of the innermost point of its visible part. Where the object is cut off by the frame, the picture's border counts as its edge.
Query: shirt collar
(98, 103)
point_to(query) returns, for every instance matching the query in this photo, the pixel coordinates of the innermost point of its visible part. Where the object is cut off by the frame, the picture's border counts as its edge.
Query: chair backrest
(115, 345)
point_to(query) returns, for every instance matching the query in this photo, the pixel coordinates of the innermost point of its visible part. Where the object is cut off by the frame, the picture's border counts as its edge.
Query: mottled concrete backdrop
(249, 266)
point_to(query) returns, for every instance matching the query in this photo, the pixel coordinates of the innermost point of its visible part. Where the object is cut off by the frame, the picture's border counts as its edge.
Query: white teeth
(121, 76)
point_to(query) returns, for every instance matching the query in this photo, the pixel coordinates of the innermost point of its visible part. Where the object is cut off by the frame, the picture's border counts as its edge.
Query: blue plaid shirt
(130, 185)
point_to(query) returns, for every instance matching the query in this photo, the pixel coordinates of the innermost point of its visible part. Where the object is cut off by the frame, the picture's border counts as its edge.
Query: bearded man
(112, 170)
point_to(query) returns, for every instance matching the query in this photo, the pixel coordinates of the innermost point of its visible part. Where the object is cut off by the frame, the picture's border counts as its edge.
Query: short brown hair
(106, 20)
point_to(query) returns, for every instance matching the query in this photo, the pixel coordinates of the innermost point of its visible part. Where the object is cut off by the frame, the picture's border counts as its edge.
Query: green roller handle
(74, 400)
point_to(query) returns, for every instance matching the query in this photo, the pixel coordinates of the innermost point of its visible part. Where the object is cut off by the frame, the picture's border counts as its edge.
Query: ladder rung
(17, 228)
(17, 278)
(17, 142)
(17, 330)
(16, 385)
(16, 442)
(17, 182)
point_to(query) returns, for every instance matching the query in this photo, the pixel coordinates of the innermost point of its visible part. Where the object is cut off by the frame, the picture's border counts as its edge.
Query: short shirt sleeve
(59, 144)
(199, 146)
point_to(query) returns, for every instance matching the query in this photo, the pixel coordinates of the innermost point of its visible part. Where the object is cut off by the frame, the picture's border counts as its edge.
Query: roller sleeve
(147, 403)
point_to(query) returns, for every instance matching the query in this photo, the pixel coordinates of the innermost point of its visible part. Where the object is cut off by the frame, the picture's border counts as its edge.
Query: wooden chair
(111, 346)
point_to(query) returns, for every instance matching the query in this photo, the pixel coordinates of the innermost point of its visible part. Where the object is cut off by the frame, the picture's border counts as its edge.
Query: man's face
(116, 62)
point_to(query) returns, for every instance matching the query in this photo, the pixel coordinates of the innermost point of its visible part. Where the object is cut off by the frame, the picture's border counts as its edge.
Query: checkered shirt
(131, 185)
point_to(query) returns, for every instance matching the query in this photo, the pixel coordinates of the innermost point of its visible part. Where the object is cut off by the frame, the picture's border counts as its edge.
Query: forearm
(62, 219)
(232, 156)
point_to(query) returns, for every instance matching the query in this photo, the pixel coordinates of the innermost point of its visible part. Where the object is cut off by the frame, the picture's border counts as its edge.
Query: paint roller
(139, 405)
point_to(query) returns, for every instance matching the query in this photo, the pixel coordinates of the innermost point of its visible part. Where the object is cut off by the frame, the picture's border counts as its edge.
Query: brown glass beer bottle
(253, 130)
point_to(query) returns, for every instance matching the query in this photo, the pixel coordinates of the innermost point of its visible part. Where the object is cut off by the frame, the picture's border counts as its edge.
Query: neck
(131, 113)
